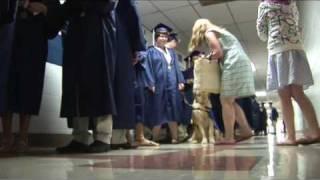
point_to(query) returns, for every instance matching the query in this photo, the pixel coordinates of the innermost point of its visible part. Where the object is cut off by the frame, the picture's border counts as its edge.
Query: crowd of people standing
(113, 82)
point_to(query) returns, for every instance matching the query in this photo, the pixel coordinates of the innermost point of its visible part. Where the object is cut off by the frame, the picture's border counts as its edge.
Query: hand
(37, 8)
(152, 89)
(26, 4)
(181, 86)
(134, 61)
(135, 58)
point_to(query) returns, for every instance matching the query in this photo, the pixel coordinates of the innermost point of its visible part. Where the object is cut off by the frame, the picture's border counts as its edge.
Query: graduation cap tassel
(153, 37)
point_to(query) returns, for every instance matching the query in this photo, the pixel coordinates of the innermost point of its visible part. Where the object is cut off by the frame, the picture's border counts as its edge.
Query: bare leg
(156, 133)
(307, 110)
(241, 119)
(139, 132)
(140, 139)
(24, 126)
(228, 113)
(173, 126)
(8, 137)
(22, 144)
(288, 114)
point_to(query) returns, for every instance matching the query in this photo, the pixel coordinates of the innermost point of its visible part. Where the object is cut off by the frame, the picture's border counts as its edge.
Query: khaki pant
(102, 131)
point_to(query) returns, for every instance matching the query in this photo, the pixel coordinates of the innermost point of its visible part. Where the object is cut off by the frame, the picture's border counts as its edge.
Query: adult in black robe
(129, 73)
(7, 14)
(26, 75)
(89, 62)
(130, 40)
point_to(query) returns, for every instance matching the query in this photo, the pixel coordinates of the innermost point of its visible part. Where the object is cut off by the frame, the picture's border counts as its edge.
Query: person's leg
(228, 114)
(245, 129)
(79, 143)
(102, 134)
(119, 136)
(156, 133)
(274, 126)
(288, 115)
(121, 139)
(307, 110)
(173, 126)
(22, 143)
(8, 137)
(140, 139)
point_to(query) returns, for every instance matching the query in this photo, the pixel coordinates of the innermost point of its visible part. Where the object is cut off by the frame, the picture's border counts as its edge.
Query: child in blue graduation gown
(164, 103)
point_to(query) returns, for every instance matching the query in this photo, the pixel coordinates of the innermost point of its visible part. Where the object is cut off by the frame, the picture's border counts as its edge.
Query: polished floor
(256, 159)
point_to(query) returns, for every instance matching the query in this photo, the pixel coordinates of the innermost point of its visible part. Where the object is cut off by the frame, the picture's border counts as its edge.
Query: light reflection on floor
(256, 158)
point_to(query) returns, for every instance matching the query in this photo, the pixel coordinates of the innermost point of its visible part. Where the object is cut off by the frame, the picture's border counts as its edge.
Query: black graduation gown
(246, 105)
(7, 12)
(28, 60)
(129, 39)
(88, 60)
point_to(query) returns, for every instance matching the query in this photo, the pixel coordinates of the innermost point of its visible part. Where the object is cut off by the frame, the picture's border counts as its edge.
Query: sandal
(146, 142)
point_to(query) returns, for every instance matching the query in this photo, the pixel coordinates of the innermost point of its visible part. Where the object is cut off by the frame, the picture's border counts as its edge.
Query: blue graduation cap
(160, 29)
(173, 36)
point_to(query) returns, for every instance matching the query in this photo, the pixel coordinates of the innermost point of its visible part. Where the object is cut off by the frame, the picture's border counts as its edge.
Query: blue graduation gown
(129, 40)
(7, 12)
(165, 104)
(141, 85)
(88, 59)
(186, 114)
(27, 68)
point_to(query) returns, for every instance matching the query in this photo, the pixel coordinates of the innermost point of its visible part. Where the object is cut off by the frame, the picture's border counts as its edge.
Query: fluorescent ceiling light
(253, 67)
(261, 93)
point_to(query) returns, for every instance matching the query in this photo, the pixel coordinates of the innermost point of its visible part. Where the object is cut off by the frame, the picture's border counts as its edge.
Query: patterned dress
(288, 64)
(237, 78)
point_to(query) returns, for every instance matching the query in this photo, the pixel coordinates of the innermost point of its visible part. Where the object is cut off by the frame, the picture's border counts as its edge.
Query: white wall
(49, 120)
(310, 16)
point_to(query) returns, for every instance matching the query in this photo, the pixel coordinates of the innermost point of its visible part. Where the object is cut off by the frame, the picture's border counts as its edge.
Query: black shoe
(123, 146)
(73, 147)
(98, 147)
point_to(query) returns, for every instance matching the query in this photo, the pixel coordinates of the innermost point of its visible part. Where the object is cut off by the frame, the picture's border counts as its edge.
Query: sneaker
(99, 147)
(73, 147)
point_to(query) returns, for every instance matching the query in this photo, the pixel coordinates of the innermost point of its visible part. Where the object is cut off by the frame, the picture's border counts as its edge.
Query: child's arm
(262, 24)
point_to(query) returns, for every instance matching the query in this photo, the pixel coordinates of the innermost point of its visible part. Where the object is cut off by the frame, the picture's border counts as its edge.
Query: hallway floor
(256, 159)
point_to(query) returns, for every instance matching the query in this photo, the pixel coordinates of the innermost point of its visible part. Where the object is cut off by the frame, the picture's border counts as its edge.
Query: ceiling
(239, 17)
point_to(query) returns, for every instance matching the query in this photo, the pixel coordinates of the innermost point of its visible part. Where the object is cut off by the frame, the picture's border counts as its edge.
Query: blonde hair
(198, 37)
